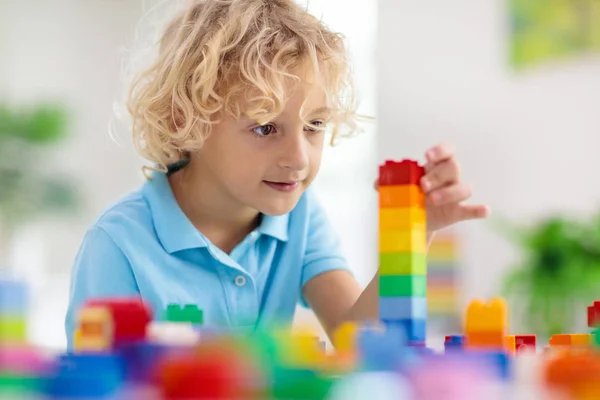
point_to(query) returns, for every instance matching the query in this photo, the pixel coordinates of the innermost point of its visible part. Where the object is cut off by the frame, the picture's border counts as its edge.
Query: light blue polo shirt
(145, 245)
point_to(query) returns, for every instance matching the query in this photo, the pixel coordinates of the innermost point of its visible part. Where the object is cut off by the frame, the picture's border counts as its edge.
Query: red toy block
(525, 342)
(130, 317)
(594, 315)
(214, 371)
(405, 172)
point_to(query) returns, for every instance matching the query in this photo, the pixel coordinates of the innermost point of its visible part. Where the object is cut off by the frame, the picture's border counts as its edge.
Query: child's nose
(295, 152)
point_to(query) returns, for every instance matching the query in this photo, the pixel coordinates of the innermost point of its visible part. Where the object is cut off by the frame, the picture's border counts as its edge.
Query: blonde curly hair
(236, 56)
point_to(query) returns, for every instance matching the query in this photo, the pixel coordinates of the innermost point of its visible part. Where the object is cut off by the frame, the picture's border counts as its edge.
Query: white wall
(528, 142)
(73, 49)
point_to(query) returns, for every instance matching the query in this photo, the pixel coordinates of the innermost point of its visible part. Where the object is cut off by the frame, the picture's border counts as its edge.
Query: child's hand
(445, 191)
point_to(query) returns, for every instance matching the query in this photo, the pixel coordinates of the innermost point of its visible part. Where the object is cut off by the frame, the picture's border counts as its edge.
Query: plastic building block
(14, 298)
(302, 349)
(128, 321)
(402, 285)
(511, 344)
(486, 325)
(401, 196)
(402, 264)
(524, 343)
(403, 241)
(299, 384)
(415, 329)
(581, 339)
(560, 340)
(344, 338)
(453, 342)
(95, 331)
(188, 313)
(402, 219)
(217, 369)
(405, 307)
(405, 172)
(490, 317)
(381, 348)
(575, 374)
(82, 376)
(13, 329)
(172, 333)
(593, 314)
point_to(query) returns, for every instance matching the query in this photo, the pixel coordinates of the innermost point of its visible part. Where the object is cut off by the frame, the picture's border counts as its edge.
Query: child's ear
(176, 121)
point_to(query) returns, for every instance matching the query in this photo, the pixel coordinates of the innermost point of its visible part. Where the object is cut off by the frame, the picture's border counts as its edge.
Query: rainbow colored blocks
(402, 249)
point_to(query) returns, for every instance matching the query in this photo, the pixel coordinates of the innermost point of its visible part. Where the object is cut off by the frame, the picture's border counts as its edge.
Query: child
(233, 115)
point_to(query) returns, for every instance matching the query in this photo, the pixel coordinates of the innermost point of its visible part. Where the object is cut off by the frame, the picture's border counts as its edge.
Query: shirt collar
(174, 229)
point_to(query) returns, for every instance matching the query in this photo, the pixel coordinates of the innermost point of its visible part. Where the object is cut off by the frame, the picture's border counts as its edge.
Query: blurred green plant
(28, 186)
(559, 271)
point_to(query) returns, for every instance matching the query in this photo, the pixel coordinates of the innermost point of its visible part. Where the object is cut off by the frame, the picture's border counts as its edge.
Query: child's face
(267, 167)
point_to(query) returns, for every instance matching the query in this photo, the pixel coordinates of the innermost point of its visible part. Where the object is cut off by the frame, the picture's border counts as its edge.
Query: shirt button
(240, 280)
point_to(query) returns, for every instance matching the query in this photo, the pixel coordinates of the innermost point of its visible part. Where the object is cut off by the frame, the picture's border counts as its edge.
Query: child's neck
(219, 218)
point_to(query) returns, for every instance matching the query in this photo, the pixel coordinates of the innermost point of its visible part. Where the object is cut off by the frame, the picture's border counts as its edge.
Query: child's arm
(336, 297)
(100, 270)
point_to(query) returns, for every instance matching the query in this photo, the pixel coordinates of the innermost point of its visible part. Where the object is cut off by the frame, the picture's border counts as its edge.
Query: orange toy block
(401, 196)
(485, 340)
(511, 344)
(561, 339)
(490, 317)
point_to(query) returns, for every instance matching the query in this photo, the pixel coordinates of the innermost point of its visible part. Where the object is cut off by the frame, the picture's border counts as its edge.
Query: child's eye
(264, 130)
(315, 126)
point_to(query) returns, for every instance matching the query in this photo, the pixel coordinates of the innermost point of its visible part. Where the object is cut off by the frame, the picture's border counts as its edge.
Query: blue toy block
(85, 376)
(14, 297)
(140, 360)
(404, 307)
(454, 342)
(415, 329)
(381, 350)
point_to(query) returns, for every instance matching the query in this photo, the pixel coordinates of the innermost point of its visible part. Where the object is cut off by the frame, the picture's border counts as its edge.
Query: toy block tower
(402, 249)
(14, 302)
(486, 325)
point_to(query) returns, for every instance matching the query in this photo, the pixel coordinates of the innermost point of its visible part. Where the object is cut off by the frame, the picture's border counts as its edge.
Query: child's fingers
(439, 153)
(473, 211)
(443, 174)
(450, 194)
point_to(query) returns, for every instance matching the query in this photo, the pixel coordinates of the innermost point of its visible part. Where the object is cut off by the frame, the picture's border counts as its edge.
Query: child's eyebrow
(320, 110)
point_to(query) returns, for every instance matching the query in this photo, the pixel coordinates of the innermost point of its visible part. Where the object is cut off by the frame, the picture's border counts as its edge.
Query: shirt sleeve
(101, 269)
(323, 249)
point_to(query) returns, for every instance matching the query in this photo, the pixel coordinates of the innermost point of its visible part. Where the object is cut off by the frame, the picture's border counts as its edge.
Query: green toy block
(188, 313)
(13, 329)
(402, 285)
(596, 337)
(18, 384)
(402, 264)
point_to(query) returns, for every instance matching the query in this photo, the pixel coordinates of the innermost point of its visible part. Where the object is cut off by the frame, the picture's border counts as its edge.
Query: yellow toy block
(581, 339)
(400, 218)
(301, 348)
(403, 241)
(95, 330)
(490, 317)
(344, 337)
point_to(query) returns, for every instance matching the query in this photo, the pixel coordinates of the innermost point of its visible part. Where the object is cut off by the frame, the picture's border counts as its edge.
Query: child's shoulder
(129, 213)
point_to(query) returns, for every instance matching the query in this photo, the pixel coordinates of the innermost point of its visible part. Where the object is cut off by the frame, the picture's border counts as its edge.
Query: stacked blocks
(486, 325)
(402, 249)
(13, 312)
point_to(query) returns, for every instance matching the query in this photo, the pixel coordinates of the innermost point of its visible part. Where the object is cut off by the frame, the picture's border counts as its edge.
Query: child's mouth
(283, 186)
